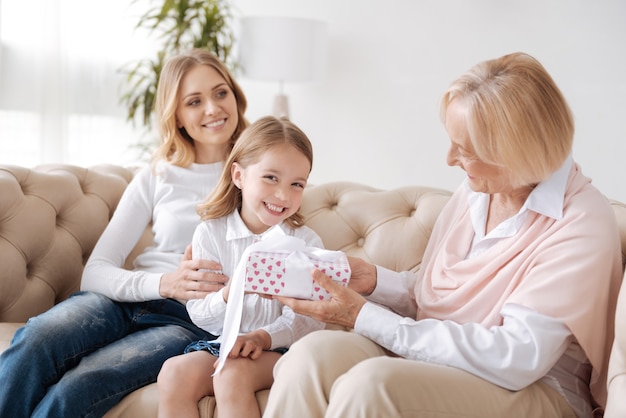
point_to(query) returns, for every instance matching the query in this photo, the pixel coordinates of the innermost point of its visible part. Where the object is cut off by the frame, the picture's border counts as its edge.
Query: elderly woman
(509, 312)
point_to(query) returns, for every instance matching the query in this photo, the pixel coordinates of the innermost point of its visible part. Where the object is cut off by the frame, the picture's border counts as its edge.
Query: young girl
(88, 352)
(260, 188)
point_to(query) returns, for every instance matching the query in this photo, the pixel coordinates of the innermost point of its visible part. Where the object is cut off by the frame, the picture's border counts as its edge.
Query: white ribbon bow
(298, 265)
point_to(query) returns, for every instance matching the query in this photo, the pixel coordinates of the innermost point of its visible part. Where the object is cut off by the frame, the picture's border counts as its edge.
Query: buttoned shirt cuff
(395, 289)
(378, 324)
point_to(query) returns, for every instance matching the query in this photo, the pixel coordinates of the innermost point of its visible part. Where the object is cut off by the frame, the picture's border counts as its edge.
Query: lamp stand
(281, 106)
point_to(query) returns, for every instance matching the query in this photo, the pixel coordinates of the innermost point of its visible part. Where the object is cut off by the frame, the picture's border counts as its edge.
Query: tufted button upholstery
(50, 219)
(385, 227)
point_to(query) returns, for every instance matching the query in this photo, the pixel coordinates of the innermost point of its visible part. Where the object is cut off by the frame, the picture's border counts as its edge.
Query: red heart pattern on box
(266, 273)
(339, 272)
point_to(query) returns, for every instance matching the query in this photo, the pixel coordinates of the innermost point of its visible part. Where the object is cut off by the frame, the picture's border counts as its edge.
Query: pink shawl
(569, 269)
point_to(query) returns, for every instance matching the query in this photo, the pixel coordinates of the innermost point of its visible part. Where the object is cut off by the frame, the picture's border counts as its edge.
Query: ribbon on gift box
(300, 261)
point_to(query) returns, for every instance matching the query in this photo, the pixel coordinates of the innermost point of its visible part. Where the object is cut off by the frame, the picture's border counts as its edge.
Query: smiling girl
(260, 188)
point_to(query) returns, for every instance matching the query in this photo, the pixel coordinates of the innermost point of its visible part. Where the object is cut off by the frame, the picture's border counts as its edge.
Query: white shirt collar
(546, 198)
(237, 229)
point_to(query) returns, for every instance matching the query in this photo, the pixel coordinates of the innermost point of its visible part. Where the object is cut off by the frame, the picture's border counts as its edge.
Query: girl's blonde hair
(517, 116)
(177, 147)
(254, 141)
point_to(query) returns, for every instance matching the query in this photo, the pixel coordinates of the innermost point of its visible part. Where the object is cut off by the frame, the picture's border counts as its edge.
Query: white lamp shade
(283, 48)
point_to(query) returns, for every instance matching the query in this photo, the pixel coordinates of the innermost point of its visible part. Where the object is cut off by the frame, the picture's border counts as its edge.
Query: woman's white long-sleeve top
(166, 199)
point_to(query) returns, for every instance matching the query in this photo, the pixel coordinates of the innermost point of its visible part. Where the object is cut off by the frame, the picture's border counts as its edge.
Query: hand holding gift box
(288, 273)
(278, 264)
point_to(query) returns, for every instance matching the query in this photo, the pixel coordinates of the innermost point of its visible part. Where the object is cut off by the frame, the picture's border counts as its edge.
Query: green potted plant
(180, 25)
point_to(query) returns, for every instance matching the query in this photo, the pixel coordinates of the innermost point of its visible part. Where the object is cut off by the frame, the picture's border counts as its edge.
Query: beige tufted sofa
(51, 216)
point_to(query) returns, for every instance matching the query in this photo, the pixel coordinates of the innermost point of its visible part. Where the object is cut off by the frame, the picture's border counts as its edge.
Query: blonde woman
(85, 354)
(509, 312)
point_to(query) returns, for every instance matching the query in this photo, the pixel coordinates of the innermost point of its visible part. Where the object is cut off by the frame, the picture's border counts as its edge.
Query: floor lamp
(282, 49)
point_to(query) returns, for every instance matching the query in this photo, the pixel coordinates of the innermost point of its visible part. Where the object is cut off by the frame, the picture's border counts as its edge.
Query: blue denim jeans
(81, 357)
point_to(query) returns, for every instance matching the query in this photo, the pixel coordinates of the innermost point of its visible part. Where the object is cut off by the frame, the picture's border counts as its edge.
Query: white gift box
(289, 273)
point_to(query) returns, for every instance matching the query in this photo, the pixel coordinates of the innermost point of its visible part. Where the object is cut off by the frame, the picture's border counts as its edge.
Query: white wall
(60, 81)
(375, 118)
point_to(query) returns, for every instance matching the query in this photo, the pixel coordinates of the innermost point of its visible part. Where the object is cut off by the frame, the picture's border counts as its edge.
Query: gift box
(278, 264)
(288, 273)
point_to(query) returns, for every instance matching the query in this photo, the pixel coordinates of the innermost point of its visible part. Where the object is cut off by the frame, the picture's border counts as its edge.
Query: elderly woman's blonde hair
(517, 116)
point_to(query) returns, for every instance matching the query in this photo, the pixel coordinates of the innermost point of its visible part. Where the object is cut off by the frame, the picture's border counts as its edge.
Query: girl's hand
(251, 345)
(194, 279)
(342, 309)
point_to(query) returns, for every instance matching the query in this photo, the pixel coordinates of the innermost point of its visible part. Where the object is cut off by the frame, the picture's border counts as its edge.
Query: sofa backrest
(52, 215)
(389, 228)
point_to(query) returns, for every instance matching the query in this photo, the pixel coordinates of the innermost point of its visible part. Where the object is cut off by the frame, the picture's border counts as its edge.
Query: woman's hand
(194, 279)
(342, 309)
(363, 278)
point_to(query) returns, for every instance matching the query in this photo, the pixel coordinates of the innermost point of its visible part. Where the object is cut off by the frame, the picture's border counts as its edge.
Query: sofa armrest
(616, 402)
(50, 219)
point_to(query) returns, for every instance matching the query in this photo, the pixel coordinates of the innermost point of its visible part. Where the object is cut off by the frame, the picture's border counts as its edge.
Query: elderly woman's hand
(341, 309)
(194, 279)
(363, 278)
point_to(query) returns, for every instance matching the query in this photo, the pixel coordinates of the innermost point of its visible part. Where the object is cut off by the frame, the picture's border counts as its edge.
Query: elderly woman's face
(482, 177)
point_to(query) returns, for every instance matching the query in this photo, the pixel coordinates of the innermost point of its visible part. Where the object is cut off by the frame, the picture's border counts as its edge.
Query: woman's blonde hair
(253, 143)
(517, 116)
(177, 147)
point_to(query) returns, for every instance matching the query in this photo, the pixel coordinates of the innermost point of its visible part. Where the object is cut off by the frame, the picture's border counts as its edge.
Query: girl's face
(271, 188)
(207, 109)
(482, 177)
